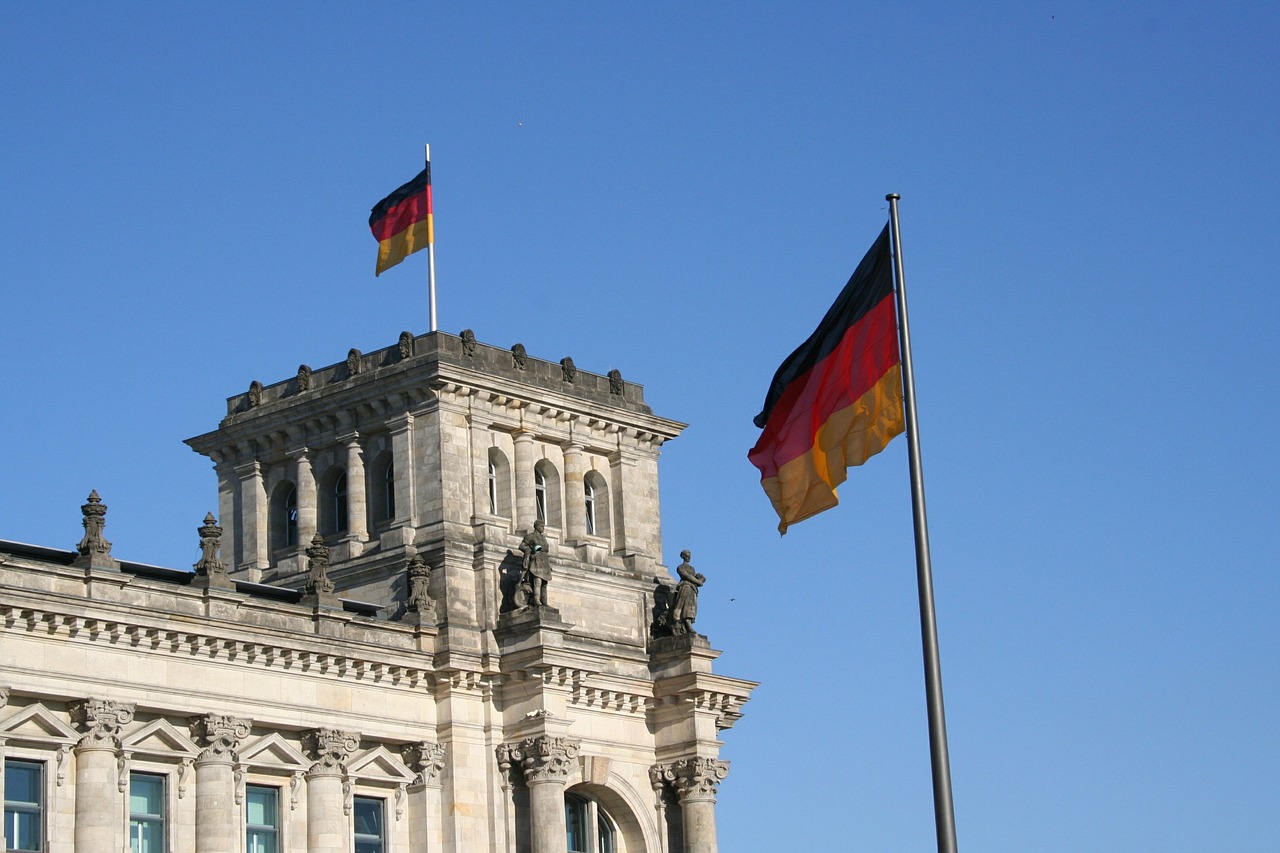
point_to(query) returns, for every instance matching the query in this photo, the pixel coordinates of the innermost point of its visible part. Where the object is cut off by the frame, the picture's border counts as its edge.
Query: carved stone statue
(353, 361)
(615, 382)
(304, 378)
(210, 565)
(684, 609)
(255, 394)
(468, 342)
(318, 582)
(537, 565)
(519, 356)
(419, 600)
(405, 345)
(568, 371)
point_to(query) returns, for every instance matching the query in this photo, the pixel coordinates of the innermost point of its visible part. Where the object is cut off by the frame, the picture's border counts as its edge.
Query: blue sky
(678, 191)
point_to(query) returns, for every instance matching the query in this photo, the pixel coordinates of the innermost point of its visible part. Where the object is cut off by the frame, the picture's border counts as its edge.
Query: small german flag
(401, 222)
(837, 400)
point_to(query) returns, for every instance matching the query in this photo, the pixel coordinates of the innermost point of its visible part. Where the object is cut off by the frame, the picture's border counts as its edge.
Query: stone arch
(631, 813)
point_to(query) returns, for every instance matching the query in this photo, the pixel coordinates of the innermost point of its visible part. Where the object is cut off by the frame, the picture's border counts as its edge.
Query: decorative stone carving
(541, 759)
(615, 382)
(519, 357)
(698, 778)
(568, 371)
(210, 565)
(468, 343)
(684, 608)
(329, 749)
(220, 735)
(4, 696)
(420, 600)
(318, 582)
(101, 721)
(405, 345)
(255, 394)
(536, 565)
(94, 550)
(353, 361)
(426, 759)
(304, 378)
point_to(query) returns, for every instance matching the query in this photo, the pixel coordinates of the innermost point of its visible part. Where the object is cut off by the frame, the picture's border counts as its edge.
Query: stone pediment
(273, 751)
(162, 738)
(380, 764)
(37, 724)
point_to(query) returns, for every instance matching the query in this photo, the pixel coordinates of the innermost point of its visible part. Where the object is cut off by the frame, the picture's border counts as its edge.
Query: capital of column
(329, 749)
(101, 721)
(221, 736)
(426, 758)
(698, 778)
(247, 470)
(543, 759)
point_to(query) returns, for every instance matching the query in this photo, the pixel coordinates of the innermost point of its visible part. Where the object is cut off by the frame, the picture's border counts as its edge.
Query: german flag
(401, 222)
(837, 400)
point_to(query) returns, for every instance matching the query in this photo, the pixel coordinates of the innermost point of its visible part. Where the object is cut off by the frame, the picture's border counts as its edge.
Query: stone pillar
(327, 830)
(696, 782)
(253, 520)
(304, 478)
(575, 510)
(426, 813)
(547, 762)
(406, 465)
(357, 501)
(217, 814)
(99, 800)
(526, 509)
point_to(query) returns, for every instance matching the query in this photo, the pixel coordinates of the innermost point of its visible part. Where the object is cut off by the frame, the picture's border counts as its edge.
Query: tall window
(262, 819)
(589, 492)
(333, 504)
(382, 488)
(370, 833)
(499, 482)
(389, 490)
(588, 828)
(540, 494)
(146, 813)
(23, 805)
(493, 487)
(291, 518)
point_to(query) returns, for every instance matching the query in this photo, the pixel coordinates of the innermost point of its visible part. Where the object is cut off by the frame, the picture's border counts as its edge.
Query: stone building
(359, 661)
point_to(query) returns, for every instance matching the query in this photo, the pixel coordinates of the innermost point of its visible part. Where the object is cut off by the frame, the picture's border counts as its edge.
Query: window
(389, 491)
(590, 497)
(146, 813)
(499, 483)
(370, 827)
(588, 827)
(540, 494)
(382, 489)
(333, 504)
(493, 487)
(23, 805)
(596, 497)
(284, 517)
(262, 819)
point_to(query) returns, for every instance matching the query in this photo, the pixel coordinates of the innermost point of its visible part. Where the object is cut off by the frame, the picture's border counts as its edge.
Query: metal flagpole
(943, 811)
(431, 252)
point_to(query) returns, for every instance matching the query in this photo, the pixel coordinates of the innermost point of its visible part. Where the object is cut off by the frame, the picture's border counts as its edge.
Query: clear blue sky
(678, 190)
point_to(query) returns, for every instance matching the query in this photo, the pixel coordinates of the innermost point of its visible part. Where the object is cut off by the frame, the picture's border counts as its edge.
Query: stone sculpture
(684, 609)
(537, 565)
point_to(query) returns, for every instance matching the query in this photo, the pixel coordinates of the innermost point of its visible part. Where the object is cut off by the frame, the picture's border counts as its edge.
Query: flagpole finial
(427, 148)
(892, 197)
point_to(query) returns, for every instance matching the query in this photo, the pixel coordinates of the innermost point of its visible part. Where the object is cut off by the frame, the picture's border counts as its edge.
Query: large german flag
(837, 400)
(401, 222)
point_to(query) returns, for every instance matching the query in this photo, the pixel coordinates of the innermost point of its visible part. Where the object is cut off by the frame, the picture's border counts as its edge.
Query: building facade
(360, 660)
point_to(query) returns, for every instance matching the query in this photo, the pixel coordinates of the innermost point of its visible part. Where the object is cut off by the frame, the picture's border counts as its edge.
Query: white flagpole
(943, 809)
(431, 252)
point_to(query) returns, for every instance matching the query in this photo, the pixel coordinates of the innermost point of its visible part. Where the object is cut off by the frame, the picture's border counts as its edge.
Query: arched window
(596, 497)
(499, 483)
(382, 489)
(546, 492)
(333, 504)
(284, 517)
(588, 827)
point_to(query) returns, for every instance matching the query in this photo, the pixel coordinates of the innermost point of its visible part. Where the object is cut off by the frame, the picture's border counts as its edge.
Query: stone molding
(330, 749)
(426, 758)
(542, 759)
(101, 720)
(221, 735)
(692, 778)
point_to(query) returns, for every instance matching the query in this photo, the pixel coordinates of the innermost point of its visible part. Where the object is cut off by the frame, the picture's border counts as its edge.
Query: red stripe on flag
(404, 214)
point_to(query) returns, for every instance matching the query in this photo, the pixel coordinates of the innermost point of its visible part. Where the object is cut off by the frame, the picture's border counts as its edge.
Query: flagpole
(943, 811)
(431, 256)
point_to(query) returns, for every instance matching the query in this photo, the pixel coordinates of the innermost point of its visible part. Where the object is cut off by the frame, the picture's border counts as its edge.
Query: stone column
(357, 501)
(98, 797)
(406, 465)
(696, 782)
(217, 814)
(575, 511)
(253, 520)
(327, 830)
(426, 814)
(547, 762)
(526, 509)
(304, 478)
